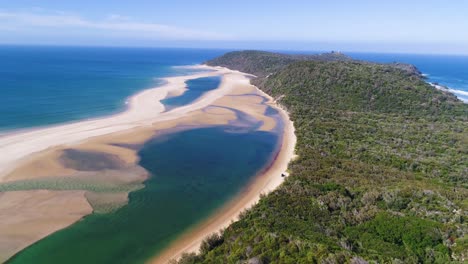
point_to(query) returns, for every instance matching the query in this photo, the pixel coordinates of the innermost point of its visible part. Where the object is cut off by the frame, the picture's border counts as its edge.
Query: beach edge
(263, 183)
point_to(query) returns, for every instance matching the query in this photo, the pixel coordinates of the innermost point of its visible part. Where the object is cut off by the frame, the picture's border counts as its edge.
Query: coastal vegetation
(381, 174)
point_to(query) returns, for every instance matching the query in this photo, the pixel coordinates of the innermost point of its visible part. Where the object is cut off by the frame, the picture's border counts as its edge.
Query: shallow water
(193, 173)
(195, 89)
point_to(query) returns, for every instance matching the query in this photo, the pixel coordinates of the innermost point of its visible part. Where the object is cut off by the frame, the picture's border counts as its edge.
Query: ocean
(42, 85)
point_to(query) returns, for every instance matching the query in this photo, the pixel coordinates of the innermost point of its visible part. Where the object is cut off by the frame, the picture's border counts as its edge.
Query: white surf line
(461, 95)
(143, 109)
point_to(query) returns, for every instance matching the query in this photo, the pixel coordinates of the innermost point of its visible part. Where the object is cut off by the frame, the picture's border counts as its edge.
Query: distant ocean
(42, 85)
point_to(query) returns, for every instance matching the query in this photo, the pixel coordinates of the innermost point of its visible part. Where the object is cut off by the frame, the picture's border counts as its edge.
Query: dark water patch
(270, 111)
(193, 173)
(196, 88)
(90, 160)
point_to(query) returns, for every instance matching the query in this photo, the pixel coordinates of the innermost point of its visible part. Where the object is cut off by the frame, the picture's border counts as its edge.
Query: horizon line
(278, 50)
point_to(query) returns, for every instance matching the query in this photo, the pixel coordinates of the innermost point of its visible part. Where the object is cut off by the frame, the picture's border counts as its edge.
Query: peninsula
(380, 174)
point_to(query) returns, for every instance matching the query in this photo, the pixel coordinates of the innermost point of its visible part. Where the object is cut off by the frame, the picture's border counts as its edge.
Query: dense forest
(381, 174)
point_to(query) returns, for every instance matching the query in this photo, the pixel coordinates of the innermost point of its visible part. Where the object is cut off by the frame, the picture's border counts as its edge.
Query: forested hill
(381, 175)
(263, 63)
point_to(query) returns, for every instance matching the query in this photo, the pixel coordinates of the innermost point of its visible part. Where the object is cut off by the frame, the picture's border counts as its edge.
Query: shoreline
(453, 92)
(201, 69)
(266, 181)
(143, 109)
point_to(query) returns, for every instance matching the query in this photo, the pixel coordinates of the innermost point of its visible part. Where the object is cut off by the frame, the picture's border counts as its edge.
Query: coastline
(263, 183)
(180, 225)
(457, 93)
(145, 117)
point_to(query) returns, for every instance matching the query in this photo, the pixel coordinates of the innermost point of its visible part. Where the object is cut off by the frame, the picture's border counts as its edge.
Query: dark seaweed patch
(90, 160)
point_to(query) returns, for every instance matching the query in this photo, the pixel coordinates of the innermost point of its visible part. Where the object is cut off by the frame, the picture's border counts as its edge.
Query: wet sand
(27, 216)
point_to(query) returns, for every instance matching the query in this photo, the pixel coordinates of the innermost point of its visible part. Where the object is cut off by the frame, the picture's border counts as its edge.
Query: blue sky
(360, 25)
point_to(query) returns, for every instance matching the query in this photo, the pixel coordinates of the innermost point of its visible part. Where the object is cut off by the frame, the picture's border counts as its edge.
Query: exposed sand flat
(28, 216)
(251, 105)
(264, 183)
(144, 109)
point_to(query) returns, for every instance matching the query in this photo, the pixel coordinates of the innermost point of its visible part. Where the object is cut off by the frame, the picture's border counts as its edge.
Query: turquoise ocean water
(49, 85)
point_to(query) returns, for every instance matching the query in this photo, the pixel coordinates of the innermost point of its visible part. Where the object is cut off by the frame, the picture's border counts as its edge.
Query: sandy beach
(59, 153)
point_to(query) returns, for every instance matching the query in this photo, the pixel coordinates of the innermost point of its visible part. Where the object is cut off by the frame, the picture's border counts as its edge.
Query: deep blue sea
(48, 85)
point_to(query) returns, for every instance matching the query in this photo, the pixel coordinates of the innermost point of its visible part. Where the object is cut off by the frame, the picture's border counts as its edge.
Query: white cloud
(112, 24)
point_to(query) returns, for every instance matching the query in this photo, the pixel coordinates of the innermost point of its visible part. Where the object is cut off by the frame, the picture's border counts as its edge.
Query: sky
(359, 25)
